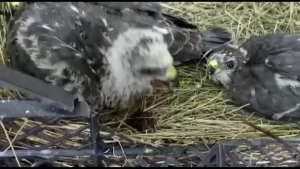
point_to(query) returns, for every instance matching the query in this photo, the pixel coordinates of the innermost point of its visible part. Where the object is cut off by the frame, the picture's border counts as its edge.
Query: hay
(198, 112)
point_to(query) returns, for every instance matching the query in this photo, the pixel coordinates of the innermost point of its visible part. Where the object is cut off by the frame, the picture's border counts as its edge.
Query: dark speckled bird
(105, 53)
(184, 41)
(263, 72)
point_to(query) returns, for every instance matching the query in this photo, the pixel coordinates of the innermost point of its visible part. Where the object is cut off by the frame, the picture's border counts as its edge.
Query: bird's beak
(171, 73)
(212, 67)
(15, 4)
(169, 78)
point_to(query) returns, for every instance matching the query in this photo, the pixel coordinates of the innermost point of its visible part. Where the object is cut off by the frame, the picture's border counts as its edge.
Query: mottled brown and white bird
(106, 53)
(263, 72)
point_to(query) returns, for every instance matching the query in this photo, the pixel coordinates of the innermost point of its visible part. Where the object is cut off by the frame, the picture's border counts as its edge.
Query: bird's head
(223, 61)
(139, 57)
(15, 5)
(150, 59)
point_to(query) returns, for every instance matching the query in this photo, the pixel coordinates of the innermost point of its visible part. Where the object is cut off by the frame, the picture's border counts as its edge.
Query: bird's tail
(215, 37)
(199, 43)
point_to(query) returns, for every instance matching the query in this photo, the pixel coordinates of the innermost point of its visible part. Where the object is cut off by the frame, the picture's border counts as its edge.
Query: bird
(262, 74)
(104, 53)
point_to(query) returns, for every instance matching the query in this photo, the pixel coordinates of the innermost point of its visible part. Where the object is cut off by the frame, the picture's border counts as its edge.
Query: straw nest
(197, 112)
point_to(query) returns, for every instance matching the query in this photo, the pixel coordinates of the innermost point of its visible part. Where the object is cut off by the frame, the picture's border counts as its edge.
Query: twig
(268, 133)
(16, 135)
(10, 143)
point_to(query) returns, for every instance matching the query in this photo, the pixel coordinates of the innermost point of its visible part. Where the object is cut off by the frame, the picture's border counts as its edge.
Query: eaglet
(104, 53)
(263, 74)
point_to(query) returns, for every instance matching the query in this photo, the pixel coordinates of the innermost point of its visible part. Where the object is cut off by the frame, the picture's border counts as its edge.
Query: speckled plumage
(266, 75)
(184, 41)
(97, 50)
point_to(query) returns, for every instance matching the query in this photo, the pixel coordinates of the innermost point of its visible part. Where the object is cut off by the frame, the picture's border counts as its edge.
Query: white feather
(283, 81)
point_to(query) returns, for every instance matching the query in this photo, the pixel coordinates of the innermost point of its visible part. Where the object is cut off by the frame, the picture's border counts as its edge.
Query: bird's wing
(255, 88)
(149, 15)
(152, 9)
(270, 79)
(47, 35)
(142, 6)
(279, 52)
(184, 41)
(59, 43)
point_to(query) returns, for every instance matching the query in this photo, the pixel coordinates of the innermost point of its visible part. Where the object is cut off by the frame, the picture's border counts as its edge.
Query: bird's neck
(120, 85)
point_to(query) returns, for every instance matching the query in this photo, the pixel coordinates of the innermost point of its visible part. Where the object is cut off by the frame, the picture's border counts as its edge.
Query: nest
(198, 112)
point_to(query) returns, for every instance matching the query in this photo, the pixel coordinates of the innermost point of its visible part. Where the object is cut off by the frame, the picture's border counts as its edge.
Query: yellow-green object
(213, 63)
(15, 4)
(171, 73)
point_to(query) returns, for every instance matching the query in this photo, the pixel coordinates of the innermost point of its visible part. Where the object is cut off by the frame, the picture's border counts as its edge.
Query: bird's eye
(230, 64)
(83, 34)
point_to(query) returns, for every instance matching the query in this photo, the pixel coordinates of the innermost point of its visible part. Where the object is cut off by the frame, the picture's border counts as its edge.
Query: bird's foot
(278, 116)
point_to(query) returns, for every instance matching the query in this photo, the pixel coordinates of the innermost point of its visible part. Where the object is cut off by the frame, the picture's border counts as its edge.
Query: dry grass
(195, 114)
(199, 112)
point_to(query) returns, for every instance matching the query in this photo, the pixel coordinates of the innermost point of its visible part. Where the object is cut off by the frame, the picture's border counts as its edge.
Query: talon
(278, 116)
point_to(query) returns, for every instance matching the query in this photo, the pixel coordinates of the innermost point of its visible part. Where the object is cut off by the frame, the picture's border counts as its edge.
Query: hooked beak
(15, 4)
(171, 73)
(170, 77)
(212, 67)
